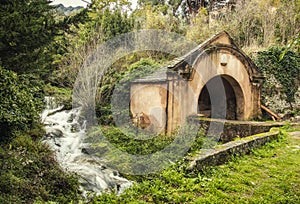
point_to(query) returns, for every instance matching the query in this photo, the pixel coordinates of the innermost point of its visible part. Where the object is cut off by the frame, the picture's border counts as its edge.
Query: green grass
(29, 172)
(269, 175)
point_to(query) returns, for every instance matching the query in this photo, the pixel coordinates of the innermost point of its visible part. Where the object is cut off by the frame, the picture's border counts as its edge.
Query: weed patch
(269, 175)
(30, 173)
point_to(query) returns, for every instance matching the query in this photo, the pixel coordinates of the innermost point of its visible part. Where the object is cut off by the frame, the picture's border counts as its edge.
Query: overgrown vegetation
(121, 147)
(254, 24)
(282, 75)
(38, 46)
(128, 140)
(21, 102)
(30, 173)
(269, 174)
(117, 82)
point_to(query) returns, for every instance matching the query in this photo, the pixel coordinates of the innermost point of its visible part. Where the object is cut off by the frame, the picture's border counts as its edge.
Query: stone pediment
(183, 65)
(220, 41)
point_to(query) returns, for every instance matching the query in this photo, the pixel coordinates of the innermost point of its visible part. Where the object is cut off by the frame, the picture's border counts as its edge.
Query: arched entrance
(221, 97)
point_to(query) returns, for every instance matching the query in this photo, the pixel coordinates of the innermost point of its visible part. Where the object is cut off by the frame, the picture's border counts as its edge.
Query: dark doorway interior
(228, 98)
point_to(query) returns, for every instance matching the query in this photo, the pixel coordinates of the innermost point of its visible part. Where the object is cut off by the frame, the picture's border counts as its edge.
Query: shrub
(30, 174)
(21, 102)
(286, 70)
(63, 96)
(118, 83)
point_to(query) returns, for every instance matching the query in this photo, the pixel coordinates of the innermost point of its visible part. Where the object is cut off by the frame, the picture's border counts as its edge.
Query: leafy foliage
(199, 29)
(293, 44)
(103, 24)
(252, 24)
(63, 96)
(30, 173)
(21, 102)
(114, 22)
(157, 17)
(24, 35)
(176, 7)
(286, 71)
(120, 78)
(28, 29)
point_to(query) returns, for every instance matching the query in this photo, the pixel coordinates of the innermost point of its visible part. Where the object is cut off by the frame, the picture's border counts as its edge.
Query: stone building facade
(216, 79)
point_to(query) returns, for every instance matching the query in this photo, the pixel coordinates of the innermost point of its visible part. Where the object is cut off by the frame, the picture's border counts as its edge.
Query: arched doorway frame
(238, 92)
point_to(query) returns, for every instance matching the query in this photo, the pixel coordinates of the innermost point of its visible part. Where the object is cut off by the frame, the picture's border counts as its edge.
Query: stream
(65, 134)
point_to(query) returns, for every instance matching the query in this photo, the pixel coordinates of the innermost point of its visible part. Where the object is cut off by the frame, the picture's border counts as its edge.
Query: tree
(152, 2)
(293, 44)
(28, 29)
(177, 8)
(199, 29)
(104, 23)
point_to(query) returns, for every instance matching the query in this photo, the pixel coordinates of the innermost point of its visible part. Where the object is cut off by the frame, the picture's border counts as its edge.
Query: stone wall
(235, 129)
(222, 153)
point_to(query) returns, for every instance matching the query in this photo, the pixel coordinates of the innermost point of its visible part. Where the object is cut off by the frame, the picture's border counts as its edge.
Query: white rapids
(65, 135)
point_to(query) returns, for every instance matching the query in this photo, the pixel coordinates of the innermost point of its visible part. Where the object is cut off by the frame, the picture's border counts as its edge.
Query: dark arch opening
(232, 99)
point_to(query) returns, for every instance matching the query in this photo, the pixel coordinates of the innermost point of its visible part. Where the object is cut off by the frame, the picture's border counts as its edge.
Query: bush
(21, 102)
(63, 96)
(118, 83)
(286, 71)
(30, 174)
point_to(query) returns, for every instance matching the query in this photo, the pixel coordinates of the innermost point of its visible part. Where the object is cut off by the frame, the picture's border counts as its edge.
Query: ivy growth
(285, 70)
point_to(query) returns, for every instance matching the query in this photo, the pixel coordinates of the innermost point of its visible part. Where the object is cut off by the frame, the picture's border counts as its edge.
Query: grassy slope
(29, 172)
(269, 175)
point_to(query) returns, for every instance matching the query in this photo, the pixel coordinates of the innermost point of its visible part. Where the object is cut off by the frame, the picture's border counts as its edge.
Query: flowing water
(65, 135)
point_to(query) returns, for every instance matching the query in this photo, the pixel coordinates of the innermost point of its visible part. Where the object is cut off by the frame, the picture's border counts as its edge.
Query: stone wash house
(216, 79)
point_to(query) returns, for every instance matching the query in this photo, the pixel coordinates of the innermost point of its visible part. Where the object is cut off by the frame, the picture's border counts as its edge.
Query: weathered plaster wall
(206, 68)
(210, 66)
(151, 99)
